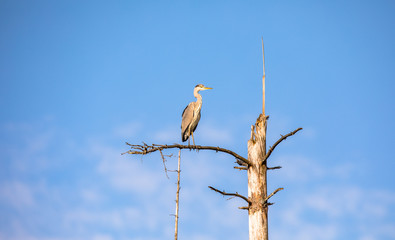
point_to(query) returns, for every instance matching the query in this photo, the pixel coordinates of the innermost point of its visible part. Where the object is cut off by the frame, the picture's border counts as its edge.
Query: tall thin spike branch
(177, 196)
(263, 79)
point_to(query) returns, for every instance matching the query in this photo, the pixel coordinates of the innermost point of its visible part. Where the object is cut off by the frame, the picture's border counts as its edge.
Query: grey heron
(191, 115)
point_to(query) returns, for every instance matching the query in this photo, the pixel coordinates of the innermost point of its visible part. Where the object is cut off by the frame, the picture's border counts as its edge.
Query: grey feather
(187, 117)
(191, 115)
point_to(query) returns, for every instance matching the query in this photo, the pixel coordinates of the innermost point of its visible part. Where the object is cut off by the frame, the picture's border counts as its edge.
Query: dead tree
(257, 201)
(177, 196)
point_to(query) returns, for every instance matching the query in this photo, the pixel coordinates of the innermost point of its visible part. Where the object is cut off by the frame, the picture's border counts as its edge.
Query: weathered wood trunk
(257, 188)
(177, 195)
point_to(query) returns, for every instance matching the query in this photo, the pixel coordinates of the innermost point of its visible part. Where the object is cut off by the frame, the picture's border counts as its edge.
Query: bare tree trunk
(177, 196)
(257, 184)
(257, 188)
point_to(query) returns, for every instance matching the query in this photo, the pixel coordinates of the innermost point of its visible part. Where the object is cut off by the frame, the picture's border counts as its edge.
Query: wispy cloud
(329, 210)
(215, 134)
(170, 134)
(123, 172)
(102, 237)
(116, 219)
(302, 168)
(27, 145)
(339, 210)
(91, 196)
(123, 194)
(128, 130)
(17, 194)
(206, 133)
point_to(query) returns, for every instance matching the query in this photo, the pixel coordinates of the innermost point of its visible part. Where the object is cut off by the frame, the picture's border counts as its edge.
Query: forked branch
(145, 149)
(278, 142)
(272, 194)
(164, 161)
(231, 194)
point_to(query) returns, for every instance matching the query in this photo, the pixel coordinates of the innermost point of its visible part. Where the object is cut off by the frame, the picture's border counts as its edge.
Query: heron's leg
(189, 139)
(193, 139)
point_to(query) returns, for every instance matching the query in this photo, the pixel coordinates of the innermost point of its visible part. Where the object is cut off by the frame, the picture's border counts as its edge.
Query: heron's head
(200, 87)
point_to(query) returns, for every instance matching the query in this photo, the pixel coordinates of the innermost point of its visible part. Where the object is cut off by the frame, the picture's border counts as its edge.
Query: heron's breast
(196, 112)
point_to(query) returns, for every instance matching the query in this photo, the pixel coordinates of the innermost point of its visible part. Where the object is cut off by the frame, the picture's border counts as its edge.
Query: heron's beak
(207, 88)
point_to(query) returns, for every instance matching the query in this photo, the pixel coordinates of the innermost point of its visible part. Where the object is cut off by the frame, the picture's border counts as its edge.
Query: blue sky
(79, 78)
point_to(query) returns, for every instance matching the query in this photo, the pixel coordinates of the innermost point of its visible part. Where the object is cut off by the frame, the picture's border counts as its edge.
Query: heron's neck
(198, 96)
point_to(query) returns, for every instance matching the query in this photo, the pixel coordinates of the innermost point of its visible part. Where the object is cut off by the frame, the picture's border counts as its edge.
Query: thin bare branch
(244, 208)
(268, 204)
(241, 163)
(274, 168)
(145, 149)
(272, 194)
(177, 196)
(164, 163)
(231, 194)
(241, 168)
(263, 79)
(278, 142)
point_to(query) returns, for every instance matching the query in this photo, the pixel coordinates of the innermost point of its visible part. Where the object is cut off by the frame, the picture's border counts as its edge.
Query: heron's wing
(187, 116)
(195, 124)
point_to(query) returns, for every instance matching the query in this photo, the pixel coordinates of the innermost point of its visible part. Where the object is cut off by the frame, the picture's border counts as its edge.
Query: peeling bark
(257, 186)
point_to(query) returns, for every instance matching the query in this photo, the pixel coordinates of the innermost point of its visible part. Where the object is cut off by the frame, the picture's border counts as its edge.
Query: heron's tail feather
(184, 137)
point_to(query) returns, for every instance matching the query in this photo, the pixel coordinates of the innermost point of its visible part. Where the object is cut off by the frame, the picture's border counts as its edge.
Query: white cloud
(148, 217)
(214, 134)
(141, 198)
(205, 134)
(324, 205)
(310, 232)
(200, 236)
(91, 196)
(340, 209)
(128, 130)
(117, 219)
(124, 172)
(128, 175)
(102, 237)
(27, 145)
(170, 134)
(17, 194)
(298, 168)
(342, 201)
